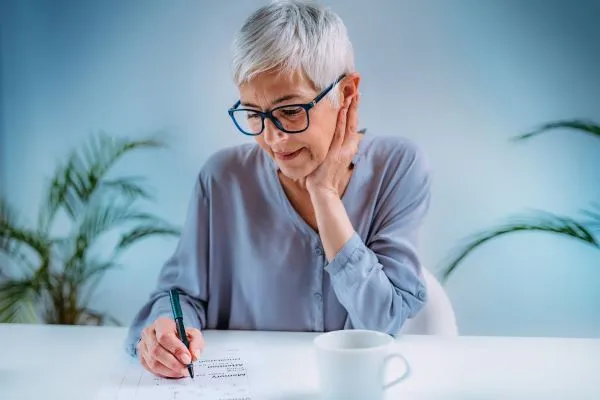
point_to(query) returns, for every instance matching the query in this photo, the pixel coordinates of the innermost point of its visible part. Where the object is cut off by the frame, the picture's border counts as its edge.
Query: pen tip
(191, 370)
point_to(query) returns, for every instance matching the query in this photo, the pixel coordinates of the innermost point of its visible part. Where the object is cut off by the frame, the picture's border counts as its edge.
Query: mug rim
(317, 340)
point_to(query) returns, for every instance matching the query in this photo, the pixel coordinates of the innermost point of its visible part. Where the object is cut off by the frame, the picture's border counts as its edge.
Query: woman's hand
(332, 176)
(161, 351)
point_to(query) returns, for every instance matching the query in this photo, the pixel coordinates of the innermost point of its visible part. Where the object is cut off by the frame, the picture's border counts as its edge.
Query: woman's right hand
(161, 351)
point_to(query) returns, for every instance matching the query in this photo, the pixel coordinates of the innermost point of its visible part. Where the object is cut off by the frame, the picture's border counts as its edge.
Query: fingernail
(196, 353)
(186, 359)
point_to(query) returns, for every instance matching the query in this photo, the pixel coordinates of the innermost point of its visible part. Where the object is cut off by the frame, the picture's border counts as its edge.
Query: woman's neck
(298, 186)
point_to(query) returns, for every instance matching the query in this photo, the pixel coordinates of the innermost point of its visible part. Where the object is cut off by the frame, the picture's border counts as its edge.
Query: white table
(59, 362)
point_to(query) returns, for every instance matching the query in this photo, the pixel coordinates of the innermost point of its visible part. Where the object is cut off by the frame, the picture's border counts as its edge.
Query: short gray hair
(289, 35)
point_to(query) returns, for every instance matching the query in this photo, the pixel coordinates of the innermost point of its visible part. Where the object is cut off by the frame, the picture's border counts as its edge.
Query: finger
(154, 366)
(147, 335)
(143, 362)
(158, 353)
(196, 342)
(155, 351)
(157, 368)
(142, 353)
(352, 117)
(138, 347)
(349, 141)
(340, 129)
(168, 339)
(351, 137)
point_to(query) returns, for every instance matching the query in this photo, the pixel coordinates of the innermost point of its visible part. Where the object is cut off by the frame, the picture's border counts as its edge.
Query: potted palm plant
(49, 277)
(584, 229)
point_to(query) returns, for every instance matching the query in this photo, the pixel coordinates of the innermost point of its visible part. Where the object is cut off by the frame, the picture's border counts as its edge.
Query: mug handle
(401, 377)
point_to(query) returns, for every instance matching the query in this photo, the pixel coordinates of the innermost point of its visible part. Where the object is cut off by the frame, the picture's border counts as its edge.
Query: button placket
(318, 289)
(318, 301)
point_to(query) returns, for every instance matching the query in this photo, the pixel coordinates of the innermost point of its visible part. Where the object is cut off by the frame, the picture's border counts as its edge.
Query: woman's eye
(292, 111)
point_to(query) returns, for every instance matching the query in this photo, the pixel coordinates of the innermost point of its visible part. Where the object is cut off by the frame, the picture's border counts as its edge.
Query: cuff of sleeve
(350, 253)
(162, 308)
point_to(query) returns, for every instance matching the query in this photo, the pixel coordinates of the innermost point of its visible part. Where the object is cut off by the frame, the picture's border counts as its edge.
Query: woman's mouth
(289, 155)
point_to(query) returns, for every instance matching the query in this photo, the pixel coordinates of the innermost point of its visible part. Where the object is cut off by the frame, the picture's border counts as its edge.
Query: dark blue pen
(178, 316)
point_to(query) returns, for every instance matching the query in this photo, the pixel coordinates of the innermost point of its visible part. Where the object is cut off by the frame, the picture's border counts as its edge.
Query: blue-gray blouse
(247, 260)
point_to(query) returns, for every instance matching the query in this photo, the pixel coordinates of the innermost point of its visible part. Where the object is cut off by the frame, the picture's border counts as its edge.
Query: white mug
(352, 363)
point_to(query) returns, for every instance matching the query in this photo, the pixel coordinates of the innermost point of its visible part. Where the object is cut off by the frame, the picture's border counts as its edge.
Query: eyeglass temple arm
(324, 92)
(316, 99)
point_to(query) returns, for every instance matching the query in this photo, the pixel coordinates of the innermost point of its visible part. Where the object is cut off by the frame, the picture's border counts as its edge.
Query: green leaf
(17, 299)
(95, 268)
(10, 249)
(585, 126)
(99, 218)
(75, 182)
(59, 193)
(103, 217)
(13, 237)
(93, 273)
(128, 187)
(144, 231)
(593, 215)
(536, 222)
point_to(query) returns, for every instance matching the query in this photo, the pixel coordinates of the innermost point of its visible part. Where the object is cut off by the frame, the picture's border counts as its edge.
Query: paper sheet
(220, 374)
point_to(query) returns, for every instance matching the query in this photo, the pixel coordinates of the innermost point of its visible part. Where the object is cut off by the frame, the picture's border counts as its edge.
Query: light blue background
(458, 77)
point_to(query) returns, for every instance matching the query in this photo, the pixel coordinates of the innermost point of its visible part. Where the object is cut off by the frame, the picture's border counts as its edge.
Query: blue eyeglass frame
(269, 114)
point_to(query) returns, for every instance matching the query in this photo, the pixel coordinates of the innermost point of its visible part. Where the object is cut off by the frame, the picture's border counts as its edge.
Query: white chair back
(437, 315)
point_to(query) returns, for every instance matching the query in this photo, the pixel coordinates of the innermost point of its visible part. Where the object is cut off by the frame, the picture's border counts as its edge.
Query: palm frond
(17, 301)
(539, 222)
(97, 268)
(99, 218)
(103, 217)
(10, 249)
(93, 274)
(60, 193)
(130, 187)
(13, 237)
(593, 215)
(582, 125)
(144, 231)
(75, 182)
(7, 217)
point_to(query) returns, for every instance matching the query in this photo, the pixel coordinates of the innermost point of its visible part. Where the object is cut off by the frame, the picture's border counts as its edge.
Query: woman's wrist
(319, 195)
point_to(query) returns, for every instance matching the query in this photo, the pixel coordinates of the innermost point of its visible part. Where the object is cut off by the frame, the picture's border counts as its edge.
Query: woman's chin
(295, 172)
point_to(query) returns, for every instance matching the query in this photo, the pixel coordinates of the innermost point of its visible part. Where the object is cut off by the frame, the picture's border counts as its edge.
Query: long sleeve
(186, 269)
(380, 282)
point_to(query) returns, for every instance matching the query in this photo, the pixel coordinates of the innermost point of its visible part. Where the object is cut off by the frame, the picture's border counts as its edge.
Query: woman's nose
(272, 133)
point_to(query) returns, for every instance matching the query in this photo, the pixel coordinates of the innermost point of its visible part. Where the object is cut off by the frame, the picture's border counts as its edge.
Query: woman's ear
(350, 86)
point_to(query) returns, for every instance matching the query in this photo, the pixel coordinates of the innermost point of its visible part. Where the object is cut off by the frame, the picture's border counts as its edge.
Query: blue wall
(459, 77)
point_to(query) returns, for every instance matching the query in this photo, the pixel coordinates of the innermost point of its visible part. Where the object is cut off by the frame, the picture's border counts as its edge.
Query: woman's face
(298, 154)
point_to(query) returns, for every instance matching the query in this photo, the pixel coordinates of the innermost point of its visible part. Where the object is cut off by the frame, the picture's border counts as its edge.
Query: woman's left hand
(332, 175)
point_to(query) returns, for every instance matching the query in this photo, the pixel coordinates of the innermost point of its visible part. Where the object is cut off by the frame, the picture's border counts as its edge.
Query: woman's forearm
(335, 227)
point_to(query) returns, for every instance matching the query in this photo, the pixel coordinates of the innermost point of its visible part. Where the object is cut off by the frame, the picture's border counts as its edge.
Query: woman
(314, 227)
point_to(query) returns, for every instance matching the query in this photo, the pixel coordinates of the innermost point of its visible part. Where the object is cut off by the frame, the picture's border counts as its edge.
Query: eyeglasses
(290, 118)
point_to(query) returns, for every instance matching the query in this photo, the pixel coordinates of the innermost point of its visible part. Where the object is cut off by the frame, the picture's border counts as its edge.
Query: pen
(178, 316)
